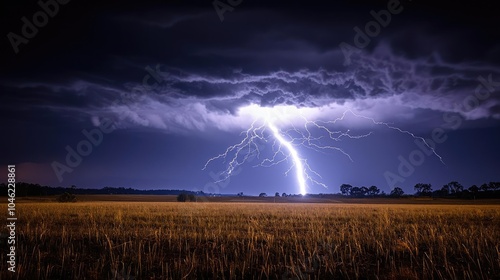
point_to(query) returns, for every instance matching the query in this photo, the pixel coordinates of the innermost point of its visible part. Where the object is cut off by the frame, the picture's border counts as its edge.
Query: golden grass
(169, 240)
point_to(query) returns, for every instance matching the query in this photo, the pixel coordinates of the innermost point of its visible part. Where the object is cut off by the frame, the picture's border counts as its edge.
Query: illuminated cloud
(382, 86)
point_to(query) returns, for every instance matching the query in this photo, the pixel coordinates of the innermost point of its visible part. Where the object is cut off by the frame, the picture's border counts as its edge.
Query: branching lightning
(310, 134)
(297, 161)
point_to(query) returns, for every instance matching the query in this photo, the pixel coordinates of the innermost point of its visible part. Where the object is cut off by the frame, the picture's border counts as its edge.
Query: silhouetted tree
(485, 187)
(494, 186)
(346, 189)
(445, 190)
(455, 187)
(277, 194)
(66, 197)
(283, 194)
(474, 189)
(364, 190)
(262, 194)
(182, 197)
(423, 189)
(357, 192)
(397, 192)
(427, 189)
(240, 194)
(192, 197)
(373, 190)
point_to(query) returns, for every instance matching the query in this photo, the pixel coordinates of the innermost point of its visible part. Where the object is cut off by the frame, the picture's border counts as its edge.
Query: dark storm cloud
(413, 84)
(290, 58)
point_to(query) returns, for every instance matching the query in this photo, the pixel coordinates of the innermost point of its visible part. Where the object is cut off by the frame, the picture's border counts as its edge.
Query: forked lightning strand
(263, 132)
(297, 161)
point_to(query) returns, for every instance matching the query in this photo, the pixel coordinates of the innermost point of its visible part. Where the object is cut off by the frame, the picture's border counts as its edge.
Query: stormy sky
(143, 95)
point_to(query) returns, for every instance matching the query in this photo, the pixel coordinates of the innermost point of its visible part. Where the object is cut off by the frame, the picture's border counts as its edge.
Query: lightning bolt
(263, 131)
(297, 161)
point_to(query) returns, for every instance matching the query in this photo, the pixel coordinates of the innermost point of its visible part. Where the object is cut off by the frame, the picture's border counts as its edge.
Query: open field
(270, 199)
(254, 240)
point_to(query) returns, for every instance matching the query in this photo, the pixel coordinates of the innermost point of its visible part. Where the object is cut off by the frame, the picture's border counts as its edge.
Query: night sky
(171, 84)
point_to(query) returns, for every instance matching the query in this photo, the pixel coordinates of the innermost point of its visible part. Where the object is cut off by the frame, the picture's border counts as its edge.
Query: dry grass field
(171, 240)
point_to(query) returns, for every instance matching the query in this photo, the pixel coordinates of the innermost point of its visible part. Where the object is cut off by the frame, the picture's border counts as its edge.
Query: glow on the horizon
(292, 127)
(299, 168)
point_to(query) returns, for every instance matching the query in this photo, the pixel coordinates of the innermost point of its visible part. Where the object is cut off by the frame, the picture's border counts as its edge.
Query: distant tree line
(455, 189)
(28, 189)
(349, 190)
(452, 189)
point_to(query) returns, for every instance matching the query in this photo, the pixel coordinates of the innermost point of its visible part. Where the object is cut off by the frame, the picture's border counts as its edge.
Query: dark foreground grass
(169, 240)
